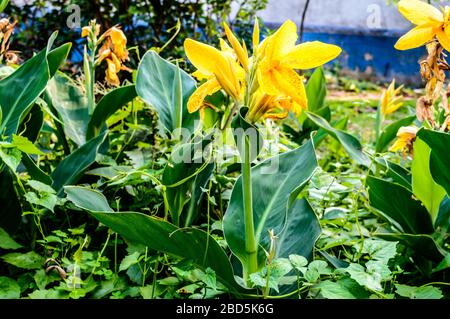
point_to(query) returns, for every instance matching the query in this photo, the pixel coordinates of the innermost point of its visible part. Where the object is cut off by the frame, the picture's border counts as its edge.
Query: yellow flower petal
(444, 40)
(103, 54)
(119, 41)
(199, 75)
(415, 38)
(281, 42)
(85, 32)
(255, 37)
(276, 116)
(289, 83)
(197, 99)
(240, 51)
(310, 55)
(406, 134)
(419, 12)
(205, 58)
(111, 73)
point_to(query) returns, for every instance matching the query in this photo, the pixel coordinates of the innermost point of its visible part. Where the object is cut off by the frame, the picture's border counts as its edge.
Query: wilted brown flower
(6, 31)
(424, 109)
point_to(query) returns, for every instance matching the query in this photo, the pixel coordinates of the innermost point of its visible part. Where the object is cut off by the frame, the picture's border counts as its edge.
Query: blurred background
(366, 29)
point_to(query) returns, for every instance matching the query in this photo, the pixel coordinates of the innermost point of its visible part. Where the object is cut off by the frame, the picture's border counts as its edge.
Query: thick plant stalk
(89, 73)
(250, 240)
(379, 121)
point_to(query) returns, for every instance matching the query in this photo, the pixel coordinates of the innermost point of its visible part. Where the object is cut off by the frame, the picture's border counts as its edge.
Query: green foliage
(167, 88)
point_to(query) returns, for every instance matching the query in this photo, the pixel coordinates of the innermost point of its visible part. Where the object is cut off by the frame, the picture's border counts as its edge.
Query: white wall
(361, 15)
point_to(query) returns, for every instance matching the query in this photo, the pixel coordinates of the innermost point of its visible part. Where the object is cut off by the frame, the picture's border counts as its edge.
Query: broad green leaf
(399, 174)
(25, 145)
(70, 169)
(11, 157)
(156, 84)
(423, 185)
(275, 183)
(9, 288)
(316, 90)
(440, 160)
(35, 172)
(48, 294)
(6, 242)
(424, 292)
(397, 203)
(334, 290)
(11, 211)
(69, 101)
(87, 199)
(366, 279)
(378, 249)
(157, 234)
(107, 106)
(302, 225)
(30, 260)
(44, 195)
(424, 245)
(129, 261)
(29, 82)
(350, 143)
(390, 133)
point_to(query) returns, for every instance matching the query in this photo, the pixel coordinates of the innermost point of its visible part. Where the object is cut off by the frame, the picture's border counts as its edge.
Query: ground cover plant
(231, 172)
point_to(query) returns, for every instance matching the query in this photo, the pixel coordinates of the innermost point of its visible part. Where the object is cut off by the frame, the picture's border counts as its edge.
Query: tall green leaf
(157, 234)
(424, 187)
(107, 106)
(20, 90)
(71, 169)
(440, 160)
(275, 183)
(350, 143)
(316, 90)
(157, 85)
(70, 103)
(398, 204)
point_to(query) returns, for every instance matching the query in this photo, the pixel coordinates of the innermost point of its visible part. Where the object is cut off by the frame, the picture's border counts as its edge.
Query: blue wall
(384, 59)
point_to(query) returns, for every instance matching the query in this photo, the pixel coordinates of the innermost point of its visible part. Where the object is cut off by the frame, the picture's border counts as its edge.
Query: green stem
(250, 240)
(379, 122)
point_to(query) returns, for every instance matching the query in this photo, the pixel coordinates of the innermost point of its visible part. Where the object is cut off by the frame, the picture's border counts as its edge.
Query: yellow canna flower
(267, 106)
(390, 101)
(279, 58)
(430, 23)
(220, 68)
(406, 136)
